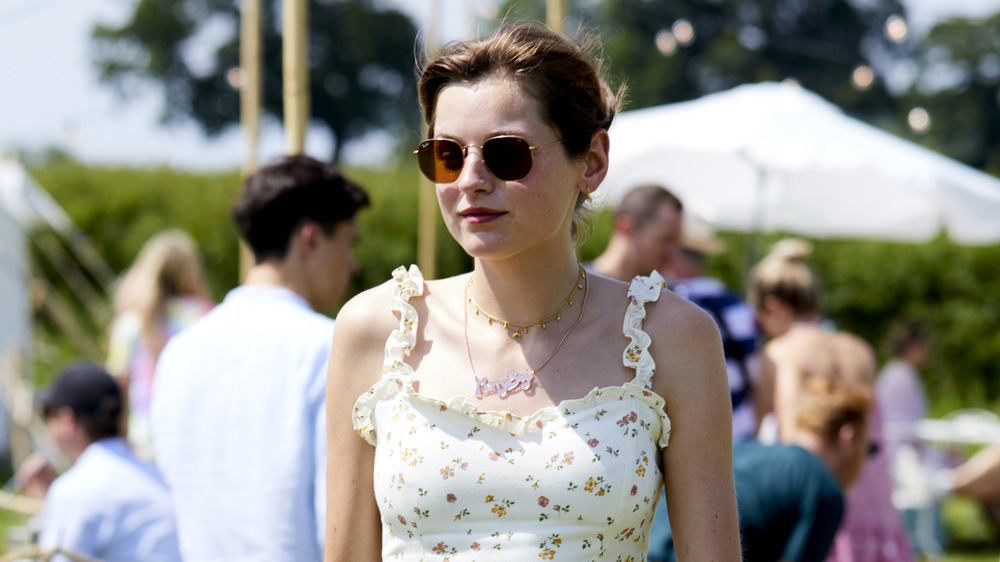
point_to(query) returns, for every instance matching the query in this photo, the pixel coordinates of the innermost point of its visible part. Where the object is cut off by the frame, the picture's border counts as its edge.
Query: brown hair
(826, 405)
(785, 274)
(564, 77)
(642, 203)
(902, 335)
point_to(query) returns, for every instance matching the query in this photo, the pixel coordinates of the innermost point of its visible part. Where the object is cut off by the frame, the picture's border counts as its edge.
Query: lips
(478, 215)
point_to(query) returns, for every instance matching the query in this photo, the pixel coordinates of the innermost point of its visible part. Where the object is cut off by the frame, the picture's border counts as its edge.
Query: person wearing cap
(732, 314)
(238, 406)
(646, 233)
(109, 505)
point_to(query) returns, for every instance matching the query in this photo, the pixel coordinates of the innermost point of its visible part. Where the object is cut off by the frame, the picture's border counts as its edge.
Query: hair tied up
(791, 250)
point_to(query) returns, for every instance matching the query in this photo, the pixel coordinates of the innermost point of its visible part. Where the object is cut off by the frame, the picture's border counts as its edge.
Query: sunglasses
(873, 449)
(507, 157)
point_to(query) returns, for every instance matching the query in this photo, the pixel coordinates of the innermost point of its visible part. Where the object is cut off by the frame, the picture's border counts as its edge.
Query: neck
(523, 292)
(277, 274)
(821, 450)
(615, 262)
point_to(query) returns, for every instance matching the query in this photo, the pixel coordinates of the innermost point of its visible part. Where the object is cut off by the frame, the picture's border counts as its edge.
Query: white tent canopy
(769, 156)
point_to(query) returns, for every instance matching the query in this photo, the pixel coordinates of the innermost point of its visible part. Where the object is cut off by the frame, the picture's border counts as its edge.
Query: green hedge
(954, 289)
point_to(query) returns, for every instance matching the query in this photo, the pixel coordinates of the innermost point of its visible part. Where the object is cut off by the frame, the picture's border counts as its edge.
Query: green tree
(816, 42)
(361, 63)
(959, 85)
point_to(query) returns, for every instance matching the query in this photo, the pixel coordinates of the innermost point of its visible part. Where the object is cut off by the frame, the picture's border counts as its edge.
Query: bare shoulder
(362, 327)
(686, 344)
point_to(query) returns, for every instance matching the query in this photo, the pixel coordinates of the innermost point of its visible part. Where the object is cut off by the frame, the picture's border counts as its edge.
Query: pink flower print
(411, 416)
(402, 519)
(465, 466)
(555, 457)
(439, 549)
(543, 501)
(494, 456)
(568, 458)
(635, 490)
(447, 472)
(610, 450)
(452, 498)
(622, 422)
(474, 546)
(539, 424)
(593, 442)
(632, 417)
(443, 407)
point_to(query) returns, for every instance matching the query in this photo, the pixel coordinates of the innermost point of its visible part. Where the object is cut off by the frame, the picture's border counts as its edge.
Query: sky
(50, 95)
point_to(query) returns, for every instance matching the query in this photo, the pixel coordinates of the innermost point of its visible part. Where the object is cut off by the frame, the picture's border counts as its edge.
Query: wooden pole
(555, 15)
(250, 100)
(295, 73)
(427, 222)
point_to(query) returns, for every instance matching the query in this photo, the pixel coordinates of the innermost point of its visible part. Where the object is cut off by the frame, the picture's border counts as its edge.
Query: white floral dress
(576, 481)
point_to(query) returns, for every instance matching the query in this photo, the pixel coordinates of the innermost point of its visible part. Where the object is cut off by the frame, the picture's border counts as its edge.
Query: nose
(475, 176)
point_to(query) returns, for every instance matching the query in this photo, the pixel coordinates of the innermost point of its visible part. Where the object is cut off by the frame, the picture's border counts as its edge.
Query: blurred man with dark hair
(239, 399)
(646, 233)
(110, 505)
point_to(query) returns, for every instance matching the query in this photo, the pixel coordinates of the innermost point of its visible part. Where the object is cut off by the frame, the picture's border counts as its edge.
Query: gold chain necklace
(518, 381)
(513, 329)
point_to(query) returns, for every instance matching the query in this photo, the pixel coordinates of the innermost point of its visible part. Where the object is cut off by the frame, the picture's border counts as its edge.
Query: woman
(161, 294)
(786, 293)
(480, 434)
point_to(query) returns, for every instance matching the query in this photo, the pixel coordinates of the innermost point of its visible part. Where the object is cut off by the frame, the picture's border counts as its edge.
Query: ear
(595, 162)
(772, 304)
(625, 225)
(307, 239)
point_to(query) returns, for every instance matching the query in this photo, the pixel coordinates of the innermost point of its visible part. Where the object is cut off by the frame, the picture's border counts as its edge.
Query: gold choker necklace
(520, 381)
(515, 330)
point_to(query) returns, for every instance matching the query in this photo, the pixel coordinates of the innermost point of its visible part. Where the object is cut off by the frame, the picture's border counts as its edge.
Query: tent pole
(295, 74)
(250, 100)
(427, 221)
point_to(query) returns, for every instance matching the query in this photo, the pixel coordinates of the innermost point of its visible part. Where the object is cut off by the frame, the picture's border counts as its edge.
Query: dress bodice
(575, 481)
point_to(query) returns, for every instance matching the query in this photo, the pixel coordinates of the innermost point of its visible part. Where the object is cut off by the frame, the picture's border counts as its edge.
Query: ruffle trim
(401, 341)
(636, 354)
(391, 386)
(397, 373)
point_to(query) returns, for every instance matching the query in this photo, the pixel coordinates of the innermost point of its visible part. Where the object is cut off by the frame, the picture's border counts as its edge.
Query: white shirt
(239, 428)
(110, 506)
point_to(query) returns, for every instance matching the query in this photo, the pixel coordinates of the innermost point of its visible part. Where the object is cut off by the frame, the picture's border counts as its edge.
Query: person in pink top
(785, 291)
(520, 411)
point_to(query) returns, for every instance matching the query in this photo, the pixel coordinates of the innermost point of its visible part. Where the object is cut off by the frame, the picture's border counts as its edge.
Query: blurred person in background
(161, 294)
(791, 496)
(647, 231)
(110, 505)
(785, 292)
(900, 391)
(238, 416)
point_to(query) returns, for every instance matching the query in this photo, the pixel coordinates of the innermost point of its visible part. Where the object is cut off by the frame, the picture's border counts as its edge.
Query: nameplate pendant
(515, 382)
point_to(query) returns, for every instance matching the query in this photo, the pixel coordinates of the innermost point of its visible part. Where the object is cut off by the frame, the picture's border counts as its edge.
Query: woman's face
(490, 217)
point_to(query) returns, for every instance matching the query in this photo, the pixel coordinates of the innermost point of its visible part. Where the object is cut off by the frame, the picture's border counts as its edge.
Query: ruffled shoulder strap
(408, 283)
(636, 355)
